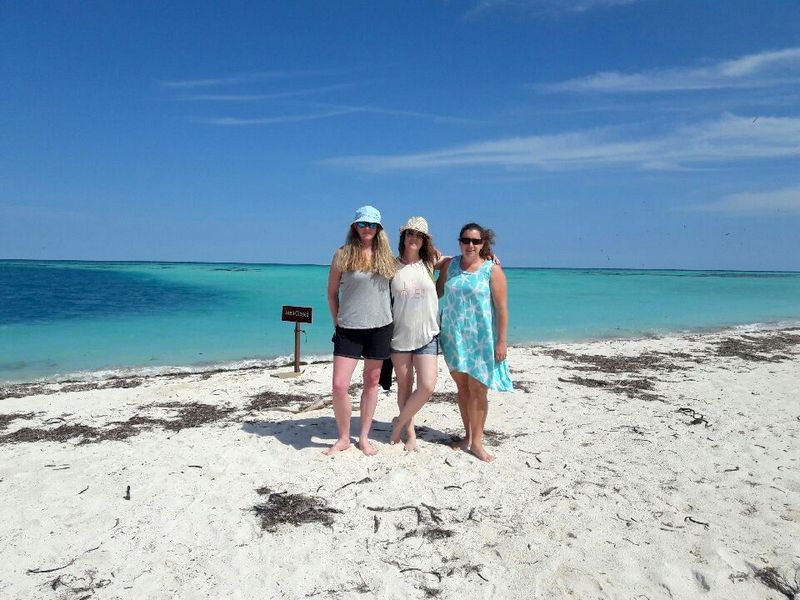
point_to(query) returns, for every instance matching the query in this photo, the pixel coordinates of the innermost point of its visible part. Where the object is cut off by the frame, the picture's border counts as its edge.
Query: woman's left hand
(500, 349)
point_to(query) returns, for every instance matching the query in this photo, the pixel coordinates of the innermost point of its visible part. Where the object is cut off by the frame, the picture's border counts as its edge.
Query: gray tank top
(364, 301)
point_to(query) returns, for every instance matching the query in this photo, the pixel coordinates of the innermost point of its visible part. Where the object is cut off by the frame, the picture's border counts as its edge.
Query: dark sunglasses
(471, 241)
(363, 224)
(415, 233)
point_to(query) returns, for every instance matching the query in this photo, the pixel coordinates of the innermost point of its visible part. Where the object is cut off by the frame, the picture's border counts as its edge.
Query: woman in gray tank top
(359, 301)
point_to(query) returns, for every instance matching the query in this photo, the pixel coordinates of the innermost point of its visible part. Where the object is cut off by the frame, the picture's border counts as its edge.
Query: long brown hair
(351, 258)
(487, 235)
(426, 252)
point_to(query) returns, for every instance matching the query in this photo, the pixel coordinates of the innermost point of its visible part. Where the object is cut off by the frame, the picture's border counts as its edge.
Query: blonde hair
(351, 258)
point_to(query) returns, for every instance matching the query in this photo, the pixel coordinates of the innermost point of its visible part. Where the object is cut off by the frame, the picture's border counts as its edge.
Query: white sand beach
(626, 469)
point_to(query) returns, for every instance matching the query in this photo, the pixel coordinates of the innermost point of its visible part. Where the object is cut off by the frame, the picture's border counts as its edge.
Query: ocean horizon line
(286, 264)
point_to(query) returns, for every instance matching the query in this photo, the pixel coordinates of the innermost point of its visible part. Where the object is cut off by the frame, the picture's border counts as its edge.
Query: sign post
(298, 314)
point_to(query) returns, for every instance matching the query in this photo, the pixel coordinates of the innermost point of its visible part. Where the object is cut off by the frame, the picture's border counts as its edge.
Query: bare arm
(334, 279)
(439, 259)
(441, 262)
(442, 277)
(499, 287)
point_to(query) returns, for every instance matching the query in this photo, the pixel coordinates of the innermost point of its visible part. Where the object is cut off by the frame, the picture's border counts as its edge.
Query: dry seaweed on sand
(633, 388)
(773, 579)
(270, 400)
(9, 417)
(443, 397)
(189, 415)
(22, 390)
(621, 364)
(62, 433)
(195, 414)
(771, 347)
(294, 509)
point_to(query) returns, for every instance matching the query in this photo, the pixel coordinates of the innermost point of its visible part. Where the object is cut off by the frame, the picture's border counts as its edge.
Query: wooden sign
(298, 314)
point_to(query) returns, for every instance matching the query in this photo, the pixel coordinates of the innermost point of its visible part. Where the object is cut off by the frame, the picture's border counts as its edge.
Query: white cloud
(727, 139)
(240, 78)
(235, 121)
(397, 112)
(273, 96)
(540, 7)
(776, 202)
(334, 110)
(754, 70)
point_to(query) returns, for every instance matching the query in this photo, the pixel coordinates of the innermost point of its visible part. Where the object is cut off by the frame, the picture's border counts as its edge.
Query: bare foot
(395, 437)
(481, 453)
(411, 443)
(462, 444)
(337, 447)
(366, 447)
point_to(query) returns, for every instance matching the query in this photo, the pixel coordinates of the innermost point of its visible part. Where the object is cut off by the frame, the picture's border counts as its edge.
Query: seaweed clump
(620, 364)
(271, 400)
(295, 509)
(632, 388)
(771, 578)
(190, 415)
(776, 347)
(8, 417)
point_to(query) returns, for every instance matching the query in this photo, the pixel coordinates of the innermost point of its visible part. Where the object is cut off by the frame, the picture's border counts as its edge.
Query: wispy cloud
(542, 7)
(751, 71)
(776, 202)
(272, 96)
(397, 112)
(334, 110)
(726, 139)
(236, 121)
(241, 78)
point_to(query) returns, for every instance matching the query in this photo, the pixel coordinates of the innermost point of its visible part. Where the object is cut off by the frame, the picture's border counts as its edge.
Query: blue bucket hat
(368, 214)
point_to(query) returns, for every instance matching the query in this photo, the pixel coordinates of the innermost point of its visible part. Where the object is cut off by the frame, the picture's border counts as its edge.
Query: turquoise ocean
(62, 318)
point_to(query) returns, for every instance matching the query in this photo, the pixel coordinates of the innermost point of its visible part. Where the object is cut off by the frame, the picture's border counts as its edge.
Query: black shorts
(368, 343)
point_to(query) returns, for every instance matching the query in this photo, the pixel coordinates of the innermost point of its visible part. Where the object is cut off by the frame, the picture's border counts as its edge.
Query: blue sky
(587, 133)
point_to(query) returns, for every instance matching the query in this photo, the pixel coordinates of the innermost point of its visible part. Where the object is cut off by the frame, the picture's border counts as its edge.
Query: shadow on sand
(320, 432)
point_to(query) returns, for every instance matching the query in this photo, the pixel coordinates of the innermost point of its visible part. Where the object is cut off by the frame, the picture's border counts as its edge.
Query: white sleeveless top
(415, 308)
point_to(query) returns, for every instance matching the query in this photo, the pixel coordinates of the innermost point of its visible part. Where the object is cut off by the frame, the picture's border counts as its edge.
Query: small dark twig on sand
(398, 508)
(695, 521)
(365, 480)
(697, 418)
(53, 569)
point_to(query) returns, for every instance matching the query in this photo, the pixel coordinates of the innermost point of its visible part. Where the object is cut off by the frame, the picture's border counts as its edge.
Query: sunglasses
(415, 233)
(471, 241)
(364, 224)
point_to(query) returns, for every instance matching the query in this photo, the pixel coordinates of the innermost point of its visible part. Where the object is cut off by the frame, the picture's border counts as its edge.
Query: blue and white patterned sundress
(467, 330)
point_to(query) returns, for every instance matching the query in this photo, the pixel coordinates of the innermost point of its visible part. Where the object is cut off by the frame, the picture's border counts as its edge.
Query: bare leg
(369, 401)
(425, 366)
(405, 380)
(343, 368)
(462, 383)
(478, 409)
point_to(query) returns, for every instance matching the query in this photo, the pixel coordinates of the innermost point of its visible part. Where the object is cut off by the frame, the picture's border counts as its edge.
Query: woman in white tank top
(415, 341)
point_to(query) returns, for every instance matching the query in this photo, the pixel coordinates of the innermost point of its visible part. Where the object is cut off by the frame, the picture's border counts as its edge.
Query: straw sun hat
(416, 223)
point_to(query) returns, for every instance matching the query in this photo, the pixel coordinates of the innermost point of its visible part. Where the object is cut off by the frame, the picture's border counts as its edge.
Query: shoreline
(659, 468)
(283, 360)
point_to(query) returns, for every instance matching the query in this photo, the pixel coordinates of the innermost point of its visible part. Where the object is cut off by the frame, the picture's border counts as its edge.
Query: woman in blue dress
(474, 330)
